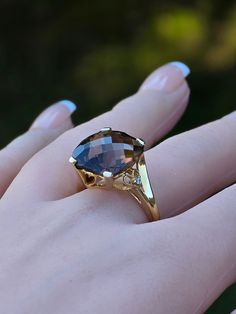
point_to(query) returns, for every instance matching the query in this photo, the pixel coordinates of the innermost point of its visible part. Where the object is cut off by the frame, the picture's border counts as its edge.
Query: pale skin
(65, 249)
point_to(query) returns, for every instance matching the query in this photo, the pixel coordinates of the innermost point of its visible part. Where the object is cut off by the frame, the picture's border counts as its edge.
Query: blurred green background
(96, 53)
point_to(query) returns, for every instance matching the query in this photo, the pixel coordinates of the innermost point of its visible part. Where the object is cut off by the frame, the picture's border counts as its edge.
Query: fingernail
(167, 78)
(55, 115)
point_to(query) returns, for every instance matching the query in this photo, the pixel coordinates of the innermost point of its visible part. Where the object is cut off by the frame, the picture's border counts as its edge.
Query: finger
(199, 246)
(184, 170)
(148, 114)
(47, 127)
(192, 166)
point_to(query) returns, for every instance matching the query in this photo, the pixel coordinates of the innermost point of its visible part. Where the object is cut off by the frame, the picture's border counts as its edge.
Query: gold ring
(114, 159)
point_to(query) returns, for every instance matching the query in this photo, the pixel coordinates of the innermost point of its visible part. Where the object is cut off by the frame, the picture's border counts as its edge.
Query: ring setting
(115, 160)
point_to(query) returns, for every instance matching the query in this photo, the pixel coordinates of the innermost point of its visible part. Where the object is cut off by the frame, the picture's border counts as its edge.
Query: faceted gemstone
(111, 151)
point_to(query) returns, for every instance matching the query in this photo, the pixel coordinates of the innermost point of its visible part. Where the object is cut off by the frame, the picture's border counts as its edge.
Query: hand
(64, 251)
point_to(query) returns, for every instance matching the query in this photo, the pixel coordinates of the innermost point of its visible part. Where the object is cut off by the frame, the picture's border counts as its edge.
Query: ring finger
(184, 170)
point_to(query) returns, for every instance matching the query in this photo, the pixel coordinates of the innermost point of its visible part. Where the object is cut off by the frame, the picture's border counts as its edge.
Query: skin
(92, 251)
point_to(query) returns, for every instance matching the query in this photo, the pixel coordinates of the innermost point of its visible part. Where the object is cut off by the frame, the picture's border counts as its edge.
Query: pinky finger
(51, 123)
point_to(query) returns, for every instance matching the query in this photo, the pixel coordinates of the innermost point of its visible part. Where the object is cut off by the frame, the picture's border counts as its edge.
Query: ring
(113, 159)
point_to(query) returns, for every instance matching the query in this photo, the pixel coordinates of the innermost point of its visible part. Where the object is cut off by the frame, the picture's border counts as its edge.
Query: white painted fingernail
(69, 105)
(55, 115)
(182, 66)
(167, 78)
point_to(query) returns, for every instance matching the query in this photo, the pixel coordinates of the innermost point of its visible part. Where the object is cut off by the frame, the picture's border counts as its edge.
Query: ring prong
(105, 129)
(72, 160)
(140, 141)
(107, 174)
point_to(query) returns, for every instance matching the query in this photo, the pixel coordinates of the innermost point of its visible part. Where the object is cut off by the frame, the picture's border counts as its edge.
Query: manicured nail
(55, 115)
(167, 78)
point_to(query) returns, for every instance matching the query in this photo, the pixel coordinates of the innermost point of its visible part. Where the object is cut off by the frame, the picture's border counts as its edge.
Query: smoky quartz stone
(111, 151)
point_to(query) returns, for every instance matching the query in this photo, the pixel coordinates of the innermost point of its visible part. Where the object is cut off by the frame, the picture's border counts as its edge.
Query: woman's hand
(69, 250)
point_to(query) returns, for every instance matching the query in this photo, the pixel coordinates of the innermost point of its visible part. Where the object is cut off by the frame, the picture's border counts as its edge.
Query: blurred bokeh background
(98, 52)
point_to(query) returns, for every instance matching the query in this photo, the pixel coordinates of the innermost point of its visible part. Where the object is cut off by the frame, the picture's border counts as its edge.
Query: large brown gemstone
(111, 151)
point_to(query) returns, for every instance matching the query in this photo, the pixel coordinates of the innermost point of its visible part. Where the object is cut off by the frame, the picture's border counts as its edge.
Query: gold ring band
(113, 159)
